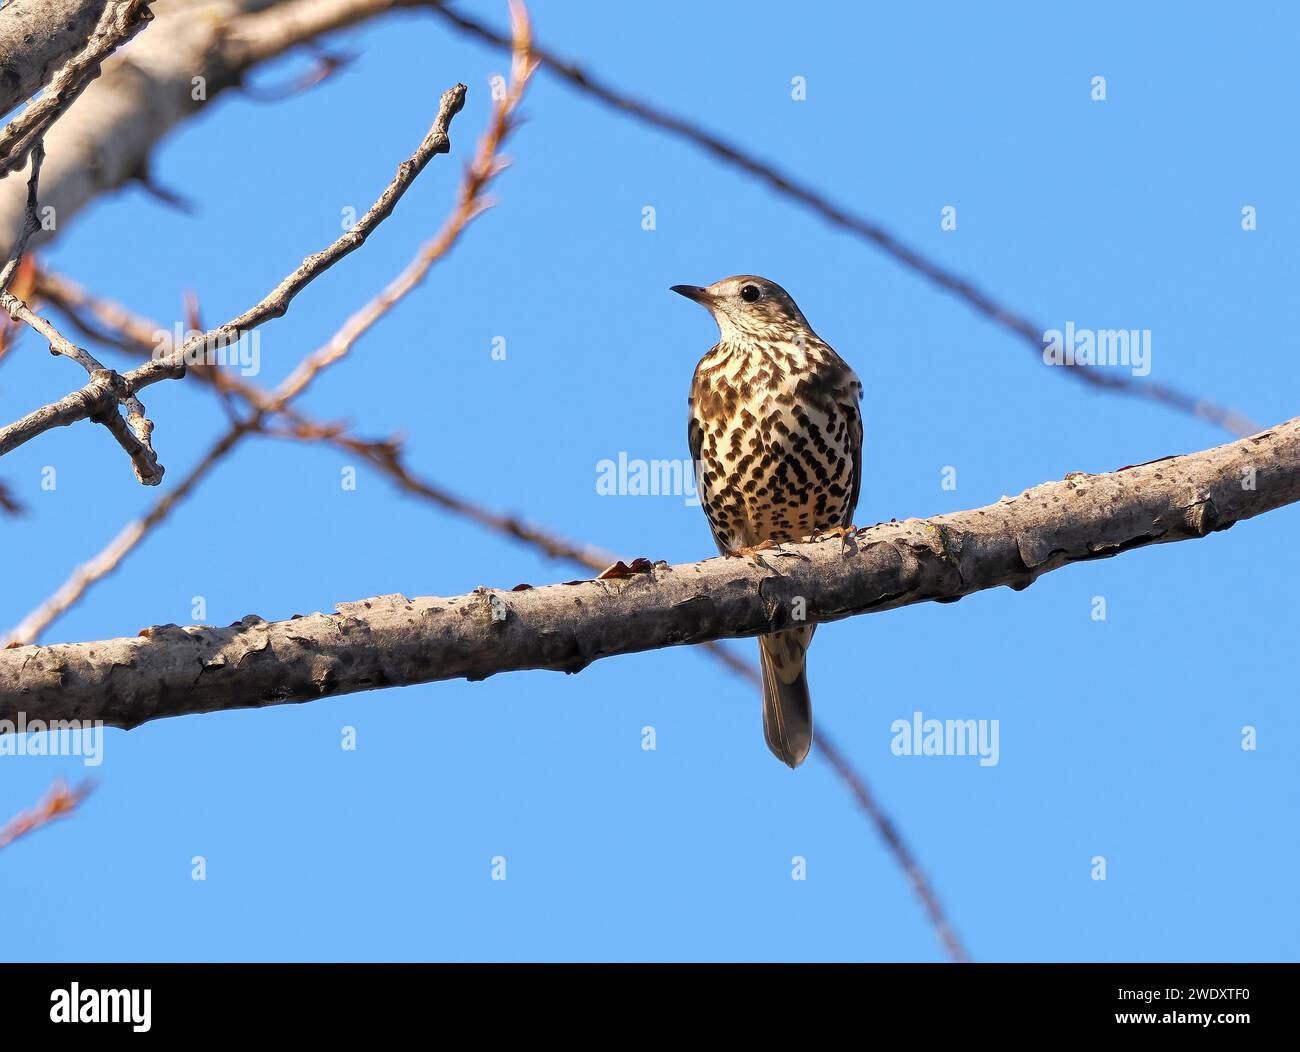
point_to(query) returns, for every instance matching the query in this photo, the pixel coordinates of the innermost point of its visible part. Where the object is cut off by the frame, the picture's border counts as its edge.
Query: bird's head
(747, 307)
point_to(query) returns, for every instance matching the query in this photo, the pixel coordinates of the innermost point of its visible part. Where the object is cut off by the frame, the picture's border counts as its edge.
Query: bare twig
(856, 783)
(9, 504)
(487, 164)
(325, 66)
(20, 283)
(58, 803)
(99, 319)
(133, 433)
(31, 219)
(898, 847)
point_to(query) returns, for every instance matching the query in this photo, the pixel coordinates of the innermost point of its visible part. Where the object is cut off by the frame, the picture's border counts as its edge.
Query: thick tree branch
(119, 22)
(36, 38)
(393, 641)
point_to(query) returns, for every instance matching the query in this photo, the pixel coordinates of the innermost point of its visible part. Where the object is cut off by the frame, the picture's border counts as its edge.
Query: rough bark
(36, 38)
(391, 640)
(121, 21)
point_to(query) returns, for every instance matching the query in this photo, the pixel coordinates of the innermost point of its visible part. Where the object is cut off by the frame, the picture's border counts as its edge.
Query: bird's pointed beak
(692, 292)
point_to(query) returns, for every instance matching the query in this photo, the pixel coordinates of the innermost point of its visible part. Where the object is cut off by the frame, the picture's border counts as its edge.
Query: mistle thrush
(776, 436)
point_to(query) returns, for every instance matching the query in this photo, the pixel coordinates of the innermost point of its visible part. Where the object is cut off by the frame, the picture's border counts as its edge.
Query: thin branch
(470, 203)
(106, 389)
(256, 36)
(110, 323)
(58, 803)
(31, 219)
(789, 186)
(388, 641)
(325, 66)
(9, 504)
(107, 560)
(133, 433)
(898, 847)
(855, 782)
(20, 284)
(104, 321)
(121, 20)
(276, 303)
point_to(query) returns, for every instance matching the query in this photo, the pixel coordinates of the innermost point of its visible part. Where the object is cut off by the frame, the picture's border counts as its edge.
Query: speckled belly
(775, 471)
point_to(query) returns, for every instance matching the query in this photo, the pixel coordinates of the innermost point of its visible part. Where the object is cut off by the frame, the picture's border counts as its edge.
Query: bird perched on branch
(776, 436)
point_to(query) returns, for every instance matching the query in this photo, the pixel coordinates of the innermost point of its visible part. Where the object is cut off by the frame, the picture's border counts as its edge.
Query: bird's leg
(842, 532)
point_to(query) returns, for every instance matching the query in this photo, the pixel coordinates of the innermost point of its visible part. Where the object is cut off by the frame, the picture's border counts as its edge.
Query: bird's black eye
(749, 293)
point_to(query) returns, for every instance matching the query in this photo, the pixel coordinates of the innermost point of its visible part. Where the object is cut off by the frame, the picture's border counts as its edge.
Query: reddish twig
(59, 802)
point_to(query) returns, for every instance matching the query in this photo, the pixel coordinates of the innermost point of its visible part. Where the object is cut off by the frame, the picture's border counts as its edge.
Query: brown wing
(835, 388)
(695, 440)
(853, 414)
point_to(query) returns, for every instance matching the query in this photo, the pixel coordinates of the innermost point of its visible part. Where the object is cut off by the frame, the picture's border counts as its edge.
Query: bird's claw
(842, 532)
(750, 551)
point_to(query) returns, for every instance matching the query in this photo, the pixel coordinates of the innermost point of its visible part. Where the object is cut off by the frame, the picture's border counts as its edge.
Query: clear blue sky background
(1118, 738)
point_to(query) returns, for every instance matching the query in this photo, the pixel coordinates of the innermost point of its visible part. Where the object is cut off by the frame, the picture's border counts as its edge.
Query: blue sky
(1120, 738)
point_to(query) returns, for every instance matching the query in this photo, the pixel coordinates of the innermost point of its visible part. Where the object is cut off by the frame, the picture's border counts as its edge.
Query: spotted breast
(776, 435)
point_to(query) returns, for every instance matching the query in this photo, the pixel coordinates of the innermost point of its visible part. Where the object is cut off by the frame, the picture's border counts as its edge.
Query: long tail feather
(787, 708)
